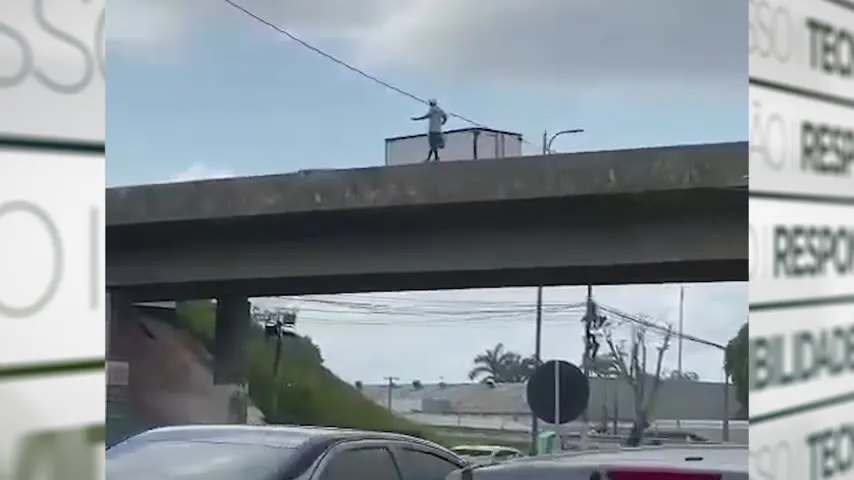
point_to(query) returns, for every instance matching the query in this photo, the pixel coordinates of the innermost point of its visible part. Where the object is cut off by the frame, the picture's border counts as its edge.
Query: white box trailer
(461, 144)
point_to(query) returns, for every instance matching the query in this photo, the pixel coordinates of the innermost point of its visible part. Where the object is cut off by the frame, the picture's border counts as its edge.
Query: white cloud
(696, 44)
(144, 26)
(198, 171)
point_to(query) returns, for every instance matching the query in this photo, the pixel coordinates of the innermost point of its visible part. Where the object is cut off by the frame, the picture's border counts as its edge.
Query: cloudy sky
(432, 336)
(199, 89)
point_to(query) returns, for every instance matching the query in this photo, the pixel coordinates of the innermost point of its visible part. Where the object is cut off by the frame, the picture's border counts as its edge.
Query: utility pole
(589, 319)
(679, 342)
(538, 335)
(390, 388)
(726, 408)
(538, 353)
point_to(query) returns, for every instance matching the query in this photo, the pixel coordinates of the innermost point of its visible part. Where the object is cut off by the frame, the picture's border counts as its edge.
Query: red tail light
(635, 474)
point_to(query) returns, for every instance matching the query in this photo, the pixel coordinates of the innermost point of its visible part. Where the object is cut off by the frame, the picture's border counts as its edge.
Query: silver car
(274, 453)
(686, 462)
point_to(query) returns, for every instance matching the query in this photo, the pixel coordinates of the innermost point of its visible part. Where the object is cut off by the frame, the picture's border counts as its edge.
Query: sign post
(558, 393)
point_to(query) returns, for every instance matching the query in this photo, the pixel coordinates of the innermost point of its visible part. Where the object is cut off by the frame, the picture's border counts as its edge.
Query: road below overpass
(491, 428)
(670, 214)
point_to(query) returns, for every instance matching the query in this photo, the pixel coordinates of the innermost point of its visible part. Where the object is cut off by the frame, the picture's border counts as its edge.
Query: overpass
(669, 214)
(634, 216)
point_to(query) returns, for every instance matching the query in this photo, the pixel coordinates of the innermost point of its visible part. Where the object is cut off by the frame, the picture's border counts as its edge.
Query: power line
(350, 66)
(409, 297)
(659, 328)
(316, 310)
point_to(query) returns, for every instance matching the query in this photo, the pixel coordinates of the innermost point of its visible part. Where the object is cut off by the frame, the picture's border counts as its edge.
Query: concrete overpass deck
(634, 216)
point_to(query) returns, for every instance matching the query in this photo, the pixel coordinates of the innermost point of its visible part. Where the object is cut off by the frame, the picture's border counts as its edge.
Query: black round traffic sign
(574, 392)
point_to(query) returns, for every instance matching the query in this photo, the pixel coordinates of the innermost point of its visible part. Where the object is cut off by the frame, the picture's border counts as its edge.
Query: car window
(505, 454)
(418, 465)
(361, 464)
(193, 460)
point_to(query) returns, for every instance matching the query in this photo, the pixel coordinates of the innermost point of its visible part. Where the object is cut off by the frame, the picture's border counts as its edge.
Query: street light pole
(538, 335)
(547, 141)
(389, 390)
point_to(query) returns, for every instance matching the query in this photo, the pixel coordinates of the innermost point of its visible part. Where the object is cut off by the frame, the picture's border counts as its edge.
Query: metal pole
(547, 141)
(558, 441)
(679, 342)
(585, 362)
(538, 347)
(390, 387)
(277, 360)
(726, 408)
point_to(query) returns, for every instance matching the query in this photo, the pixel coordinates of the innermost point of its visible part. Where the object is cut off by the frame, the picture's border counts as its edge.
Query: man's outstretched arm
(422, 117)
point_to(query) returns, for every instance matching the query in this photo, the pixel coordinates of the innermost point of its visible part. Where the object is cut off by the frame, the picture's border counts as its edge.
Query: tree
(632, 365)
(498, 365)
(736, 364)
(602, 366)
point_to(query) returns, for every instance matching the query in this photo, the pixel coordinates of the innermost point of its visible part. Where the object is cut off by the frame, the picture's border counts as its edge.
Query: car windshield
(472, 452)
(193, 460)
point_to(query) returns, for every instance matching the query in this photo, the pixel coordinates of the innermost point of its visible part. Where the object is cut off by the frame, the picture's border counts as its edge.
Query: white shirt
(434, 119)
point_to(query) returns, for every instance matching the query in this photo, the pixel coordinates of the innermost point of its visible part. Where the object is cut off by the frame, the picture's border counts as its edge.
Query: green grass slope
(304, 391)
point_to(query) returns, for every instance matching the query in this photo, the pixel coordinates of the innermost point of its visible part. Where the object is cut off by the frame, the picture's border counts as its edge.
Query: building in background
(460, 144)
(503, 407)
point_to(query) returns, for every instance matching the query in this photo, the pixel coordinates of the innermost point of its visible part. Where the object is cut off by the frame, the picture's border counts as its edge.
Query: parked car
(664, 436)
(272, 453)
(477, 454)
(694, 462)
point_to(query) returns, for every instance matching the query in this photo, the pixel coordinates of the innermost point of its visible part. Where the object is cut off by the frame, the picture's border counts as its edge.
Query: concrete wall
(676, 399)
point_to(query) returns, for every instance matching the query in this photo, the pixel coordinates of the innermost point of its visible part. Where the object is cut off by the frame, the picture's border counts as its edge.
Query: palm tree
(498, 365)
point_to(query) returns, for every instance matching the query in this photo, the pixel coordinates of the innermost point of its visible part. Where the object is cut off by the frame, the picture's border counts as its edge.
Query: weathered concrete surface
(714, 166)
(681, 238)
(675, 214)
(233, 329)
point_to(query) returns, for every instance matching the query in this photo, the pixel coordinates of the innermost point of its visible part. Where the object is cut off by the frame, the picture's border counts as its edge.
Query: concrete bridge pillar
(233, 324)
(233, 329)
(118, 310)
(120, 421)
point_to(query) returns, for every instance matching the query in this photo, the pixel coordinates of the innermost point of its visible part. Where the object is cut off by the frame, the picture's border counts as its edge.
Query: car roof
(484, 447)
(723, 458)
(307, 442)
(285, 436)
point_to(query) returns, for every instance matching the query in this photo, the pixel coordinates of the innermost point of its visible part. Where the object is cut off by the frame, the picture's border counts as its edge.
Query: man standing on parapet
(436, 118)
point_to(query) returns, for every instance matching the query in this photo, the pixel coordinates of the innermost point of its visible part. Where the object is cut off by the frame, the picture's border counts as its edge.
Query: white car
(486, 454)
(695, 462)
